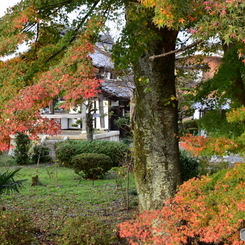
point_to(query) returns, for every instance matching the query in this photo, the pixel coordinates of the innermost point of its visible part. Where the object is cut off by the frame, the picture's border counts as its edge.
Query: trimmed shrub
(85, 231)
(41, 154)
(21, 151)
(91, 165)
(16, 228)
(189, 166)
(117, 151)
(65, 150)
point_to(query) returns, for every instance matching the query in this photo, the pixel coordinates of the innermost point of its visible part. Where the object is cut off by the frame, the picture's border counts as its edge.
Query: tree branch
(176, 50)
(73, 38)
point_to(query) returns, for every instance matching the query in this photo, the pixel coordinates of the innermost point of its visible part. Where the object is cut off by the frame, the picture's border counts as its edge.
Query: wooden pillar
(101, 110)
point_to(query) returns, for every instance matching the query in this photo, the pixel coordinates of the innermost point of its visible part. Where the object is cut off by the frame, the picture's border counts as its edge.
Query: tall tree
(156, 164)
(156, 157)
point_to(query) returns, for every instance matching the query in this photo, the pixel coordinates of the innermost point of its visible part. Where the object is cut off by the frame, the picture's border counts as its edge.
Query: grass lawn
(65, 196)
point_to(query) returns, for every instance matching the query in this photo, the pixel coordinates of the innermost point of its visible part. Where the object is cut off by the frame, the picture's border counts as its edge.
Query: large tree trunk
(156, 150)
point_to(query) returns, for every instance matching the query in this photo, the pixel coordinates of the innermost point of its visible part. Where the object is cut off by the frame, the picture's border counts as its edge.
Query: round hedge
(91, 165)
(117, 151)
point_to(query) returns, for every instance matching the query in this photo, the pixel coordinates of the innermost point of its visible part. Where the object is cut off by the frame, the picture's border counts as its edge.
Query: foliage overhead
(205, 19)
(55, 62)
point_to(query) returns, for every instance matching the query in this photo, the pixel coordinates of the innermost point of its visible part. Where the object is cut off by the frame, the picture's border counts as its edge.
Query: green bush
(41, 154)
(188, 166)
(188, 127)
(65, 150)
(91, 165)
(117, 151)
(21, 151)
(16, 228)
(85, 231)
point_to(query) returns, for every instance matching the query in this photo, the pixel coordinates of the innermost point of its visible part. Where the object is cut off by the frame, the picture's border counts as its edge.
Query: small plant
(79, 121)
(85, 231)
(16, 228)
(91, 165)
(21, 151)
(7, 182)
(120, 175)
(50, 172)
(41, 154)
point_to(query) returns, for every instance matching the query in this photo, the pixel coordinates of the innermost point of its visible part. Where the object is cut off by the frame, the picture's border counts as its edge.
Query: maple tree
(48, 69)
(53, 65)
(154, 94)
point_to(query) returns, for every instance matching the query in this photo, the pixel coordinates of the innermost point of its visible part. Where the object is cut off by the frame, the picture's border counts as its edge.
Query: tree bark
(156, 151)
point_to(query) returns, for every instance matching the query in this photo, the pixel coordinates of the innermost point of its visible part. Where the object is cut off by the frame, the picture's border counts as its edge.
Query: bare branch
(176, 50)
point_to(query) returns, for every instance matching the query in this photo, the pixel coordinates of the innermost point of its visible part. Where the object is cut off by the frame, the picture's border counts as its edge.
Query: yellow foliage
(148, 3)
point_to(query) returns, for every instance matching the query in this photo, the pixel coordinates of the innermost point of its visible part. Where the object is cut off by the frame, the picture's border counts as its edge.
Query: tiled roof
(117, 88)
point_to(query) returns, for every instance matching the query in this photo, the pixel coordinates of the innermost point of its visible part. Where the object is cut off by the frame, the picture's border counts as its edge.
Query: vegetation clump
(21, 152)
(117, 151)
(16, 228)
(40, 154)
(86, 230)
(91, 165)
(7, 182)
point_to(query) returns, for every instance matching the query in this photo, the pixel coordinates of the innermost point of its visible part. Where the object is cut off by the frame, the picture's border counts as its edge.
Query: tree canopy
(56, 63)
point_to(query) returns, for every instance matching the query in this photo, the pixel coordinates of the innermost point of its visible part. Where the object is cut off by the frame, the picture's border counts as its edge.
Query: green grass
(65, 196)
